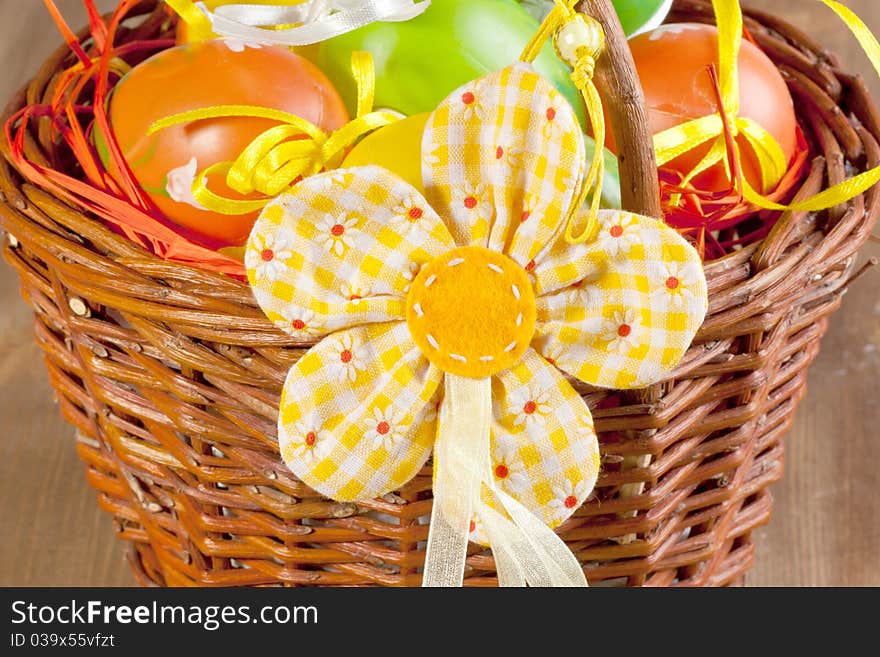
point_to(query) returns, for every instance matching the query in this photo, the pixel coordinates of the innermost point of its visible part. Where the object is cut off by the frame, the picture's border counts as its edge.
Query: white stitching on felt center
(420, 313)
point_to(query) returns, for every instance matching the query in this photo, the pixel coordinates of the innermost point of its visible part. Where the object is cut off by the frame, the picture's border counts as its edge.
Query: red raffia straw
(703, 215)
(102, 121)
(73, 118)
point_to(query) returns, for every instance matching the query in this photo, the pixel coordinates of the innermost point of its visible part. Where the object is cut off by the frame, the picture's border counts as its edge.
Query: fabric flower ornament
(479, 314)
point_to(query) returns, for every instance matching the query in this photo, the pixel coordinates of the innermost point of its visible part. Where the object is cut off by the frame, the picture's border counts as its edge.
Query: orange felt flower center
(472, 312)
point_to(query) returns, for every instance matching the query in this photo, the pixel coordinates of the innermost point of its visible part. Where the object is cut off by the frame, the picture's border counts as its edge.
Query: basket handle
(618, 82)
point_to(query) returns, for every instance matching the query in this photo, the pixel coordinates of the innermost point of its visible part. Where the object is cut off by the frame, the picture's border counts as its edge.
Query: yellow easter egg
(396, 147)
(235, 252)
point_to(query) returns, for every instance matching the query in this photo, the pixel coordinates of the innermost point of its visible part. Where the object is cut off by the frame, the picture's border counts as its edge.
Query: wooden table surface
(826, 528)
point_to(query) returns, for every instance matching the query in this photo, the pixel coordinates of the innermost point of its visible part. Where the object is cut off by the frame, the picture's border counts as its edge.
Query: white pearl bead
(577, 34)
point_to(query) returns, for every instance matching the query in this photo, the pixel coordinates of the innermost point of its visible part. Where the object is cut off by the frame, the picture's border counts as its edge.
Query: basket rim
(81, 240)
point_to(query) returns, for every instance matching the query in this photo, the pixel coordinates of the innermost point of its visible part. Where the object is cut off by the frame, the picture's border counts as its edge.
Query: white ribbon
(526, 551)
(316, 20)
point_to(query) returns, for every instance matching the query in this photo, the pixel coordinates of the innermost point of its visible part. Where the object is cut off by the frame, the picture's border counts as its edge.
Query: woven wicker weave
(171, 376)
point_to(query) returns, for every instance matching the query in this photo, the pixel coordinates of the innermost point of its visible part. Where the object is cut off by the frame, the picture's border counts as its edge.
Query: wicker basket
(171, 376)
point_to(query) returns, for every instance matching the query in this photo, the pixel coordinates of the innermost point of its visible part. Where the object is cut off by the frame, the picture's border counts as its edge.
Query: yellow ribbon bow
(676, 141)
(284, 154)
(681, 139)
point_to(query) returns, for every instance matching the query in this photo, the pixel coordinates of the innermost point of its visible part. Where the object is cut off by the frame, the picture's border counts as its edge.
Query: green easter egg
(637, 16)
(421, 61)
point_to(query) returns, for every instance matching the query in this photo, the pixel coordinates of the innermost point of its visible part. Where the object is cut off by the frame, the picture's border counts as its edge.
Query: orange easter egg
(200, 75)
(673, 63)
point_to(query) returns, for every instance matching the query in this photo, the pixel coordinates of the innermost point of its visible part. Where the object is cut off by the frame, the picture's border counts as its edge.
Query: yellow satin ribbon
(197, 22)
(579, 41)
(283, 154)
(676, 141)
(856, 185)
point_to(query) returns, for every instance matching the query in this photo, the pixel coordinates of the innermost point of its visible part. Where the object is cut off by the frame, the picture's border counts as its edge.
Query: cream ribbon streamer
(462, 446)
(526, 551)
(312, 21)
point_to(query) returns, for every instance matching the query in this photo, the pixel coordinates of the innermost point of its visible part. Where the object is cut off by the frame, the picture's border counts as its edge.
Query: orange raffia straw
(671, 201)
(66, 32)
(97, 26)
(121, 204)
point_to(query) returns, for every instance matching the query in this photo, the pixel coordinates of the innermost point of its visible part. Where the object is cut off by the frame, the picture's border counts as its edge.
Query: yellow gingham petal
(622, 310)
(341, 249)
(544, 450)
(373, 428)
(502, 159)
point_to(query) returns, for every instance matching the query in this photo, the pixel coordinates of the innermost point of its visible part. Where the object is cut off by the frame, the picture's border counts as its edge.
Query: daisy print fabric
(472, 282)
